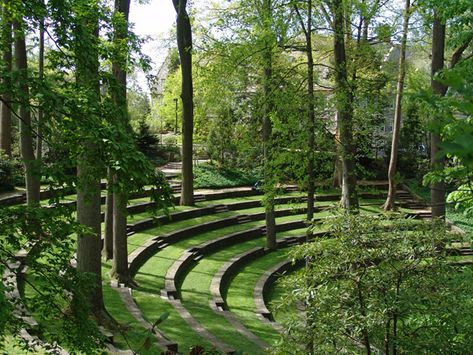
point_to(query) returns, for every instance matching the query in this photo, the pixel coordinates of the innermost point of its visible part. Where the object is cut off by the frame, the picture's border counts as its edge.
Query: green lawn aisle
(196, 295)
(150, 278)
(240, 298)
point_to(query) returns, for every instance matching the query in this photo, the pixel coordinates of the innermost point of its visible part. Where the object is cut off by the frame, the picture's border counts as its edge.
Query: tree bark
(107, 251)
(39, 138)
(88, 178)
(32, 172)
(120, 246)
(437, 190)
(5, 122)
(389, 204)
(344, 106)
(268, 187)
(184, 45)
(310, 111)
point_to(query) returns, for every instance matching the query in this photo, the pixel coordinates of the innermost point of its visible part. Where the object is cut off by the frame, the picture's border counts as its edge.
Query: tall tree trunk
(88, 178)
(437, 190)
(5, 122)
(184, 45)
(389, 204)
(32, 172)
(107, 251)
(310, 110)
(269, 184)
(39, 138)
(120, 247)
(344, 106)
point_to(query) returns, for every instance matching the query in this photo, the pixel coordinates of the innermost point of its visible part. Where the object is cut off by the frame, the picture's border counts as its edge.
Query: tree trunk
(437, 190)
(107, 251)
(88, 179)
(39, 138)
(344, 106)
(88, 214)
(32, 172)
(5, 123)
(184, 44)
(269, 183)
(120, 247)
(310, 111)
(389, 204)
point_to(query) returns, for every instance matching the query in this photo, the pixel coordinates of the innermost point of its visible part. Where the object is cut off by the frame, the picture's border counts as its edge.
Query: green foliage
(456, 128)
(146, 141)
(412, 146)
(212, 176)
(383, 283)
(9, 173)
(60, 292)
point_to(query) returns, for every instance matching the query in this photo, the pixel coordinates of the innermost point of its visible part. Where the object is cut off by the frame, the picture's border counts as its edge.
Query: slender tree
(5, 119)
(40, 123)
(344, 107)
(268, 42)
(184, 45)
(437, 189)
(32, 173)
(307, 29)
(120, 247)
(389, 204)
(88, 173)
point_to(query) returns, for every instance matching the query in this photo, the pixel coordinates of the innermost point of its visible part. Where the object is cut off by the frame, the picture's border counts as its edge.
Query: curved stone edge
(13, 276)
(263, 284)
(179, 216)
(140, 255)
(240, 328)
(180, 267)
(130, 304)
(198, 328)
(144, 252)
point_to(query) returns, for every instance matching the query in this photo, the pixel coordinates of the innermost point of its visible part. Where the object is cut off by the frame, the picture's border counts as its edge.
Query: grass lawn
(195, 291)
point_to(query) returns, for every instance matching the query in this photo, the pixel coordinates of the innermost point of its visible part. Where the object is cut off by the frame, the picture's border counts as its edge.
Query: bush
(207, 175)
(10, 173)
(380, 285)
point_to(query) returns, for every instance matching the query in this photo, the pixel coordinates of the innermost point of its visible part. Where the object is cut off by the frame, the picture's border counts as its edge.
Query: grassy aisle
(150, 278)
(196, 295)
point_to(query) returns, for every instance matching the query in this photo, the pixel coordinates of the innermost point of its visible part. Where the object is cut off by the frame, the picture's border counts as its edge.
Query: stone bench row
(264, 283)
(180, 267)
(203, 211)
(129, 302)
(226, 273)
(20, 197)
(144, 252)
(179, 216)
(14, 279)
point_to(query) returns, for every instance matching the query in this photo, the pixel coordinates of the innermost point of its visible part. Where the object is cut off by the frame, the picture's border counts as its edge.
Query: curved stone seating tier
(127, 298)
(180, 267)
(226, 273)
(141, 254)
(265, 282)
(204, 211)
(14, 276)
(20, 197)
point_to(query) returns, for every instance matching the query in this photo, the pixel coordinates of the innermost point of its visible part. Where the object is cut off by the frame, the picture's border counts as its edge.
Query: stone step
(199, 198)
(243, 219)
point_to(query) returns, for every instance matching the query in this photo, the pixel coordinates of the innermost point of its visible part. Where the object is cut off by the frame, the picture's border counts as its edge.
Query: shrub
(207, 175)
(8, 173)
(380, 285)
